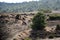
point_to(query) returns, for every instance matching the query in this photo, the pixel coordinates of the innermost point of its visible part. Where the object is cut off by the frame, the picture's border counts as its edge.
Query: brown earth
(13, 28)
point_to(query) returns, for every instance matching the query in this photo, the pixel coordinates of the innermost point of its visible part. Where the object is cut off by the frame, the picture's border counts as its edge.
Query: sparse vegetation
(45, 10)
(16, 26)
(38, 25)
(54, 16)
(27, 39)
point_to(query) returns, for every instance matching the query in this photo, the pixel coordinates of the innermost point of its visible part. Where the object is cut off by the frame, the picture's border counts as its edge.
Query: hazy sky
(16, 1)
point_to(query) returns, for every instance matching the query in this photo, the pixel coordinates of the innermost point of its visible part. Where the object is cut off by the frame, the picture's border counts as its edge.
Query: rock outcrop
(11, 25)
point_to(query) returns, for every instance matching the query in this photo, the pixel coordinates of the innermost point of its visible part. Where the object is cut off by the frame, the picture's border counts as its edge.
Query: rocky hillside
(17, 27)
(11, 24)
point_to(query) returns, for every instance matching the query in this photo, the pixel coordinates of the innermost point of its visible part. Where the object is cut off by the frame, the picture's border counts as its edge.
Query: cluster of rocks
(11, 24)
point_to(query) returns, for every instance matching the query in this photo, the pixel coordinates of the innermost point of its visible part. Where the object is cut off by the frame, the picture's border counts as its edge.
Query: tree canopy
(38, 22)
(30, 6)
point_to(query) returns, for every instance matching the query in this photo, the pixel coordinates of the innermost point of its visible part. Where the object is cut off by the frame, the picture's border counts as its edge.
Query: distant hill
(30, 6)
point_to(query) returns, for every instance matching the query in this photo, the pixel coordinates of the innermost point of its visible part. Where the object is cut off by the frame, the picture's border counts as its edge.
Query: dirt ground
(14, 27)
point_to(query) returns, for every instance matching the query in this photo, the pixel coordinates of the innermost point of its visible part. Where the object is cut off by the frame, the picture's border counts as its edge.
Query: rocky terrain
(17, 26)
(11, 25)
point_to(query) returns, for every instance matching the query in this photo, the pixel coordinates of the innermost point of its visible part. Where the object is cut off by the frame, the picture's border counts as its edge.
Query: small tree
(38, 22)
(58, 27)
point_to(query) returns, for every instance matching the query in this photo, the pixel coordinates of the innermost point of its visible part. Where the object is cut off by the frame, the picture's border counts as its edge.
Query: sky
(16, 1)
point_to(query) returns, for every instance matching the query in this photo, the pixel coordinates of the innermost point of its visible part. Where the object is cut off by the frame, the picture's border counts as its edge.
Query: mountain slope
(30, 6)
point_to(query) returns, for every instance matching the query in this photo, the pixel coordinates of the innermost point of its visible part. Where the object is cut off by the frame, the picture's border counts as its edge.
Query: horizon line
(19, 2)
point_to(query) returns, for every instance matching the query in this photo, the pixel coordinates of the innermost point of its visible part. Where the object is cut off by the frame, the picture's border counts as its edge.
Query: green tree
(38, 22)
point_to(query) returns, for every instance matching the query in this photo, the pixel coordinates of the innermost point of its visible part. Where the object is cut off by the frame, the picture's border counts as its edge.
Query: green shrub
(54, 17)
(38, 22)
(27, 39)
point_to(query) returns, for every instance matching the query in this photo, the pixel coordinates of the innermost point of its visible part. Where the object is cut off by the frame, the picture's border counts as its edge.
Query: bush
(38, 22)
(54, 17)
(18, 16)
(58, 27)
(51, 37)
